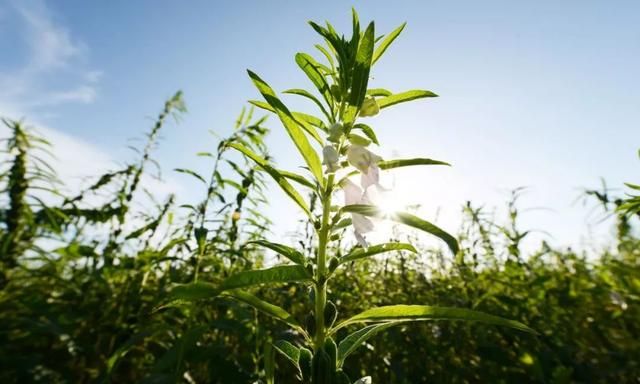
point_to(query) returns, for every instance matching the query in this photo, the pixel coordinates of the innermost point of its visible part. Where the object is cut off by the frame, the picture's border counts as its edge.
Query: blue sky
(542, 94)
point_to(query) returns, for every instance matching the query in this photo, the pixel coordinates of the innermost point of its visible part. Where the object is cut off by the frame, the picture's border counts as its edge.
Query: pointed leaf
(360, 253)
(311, 68)
(361, 70)
(193, 291)
(398, 163)
(403, 97)
(406, 219)
(357, 338)
(303, 93)
(277, 176)
(265, 307)
(286, 251)
(386, 42)
(289, 351)
(277, 274)
(426, 312)
(297, 136)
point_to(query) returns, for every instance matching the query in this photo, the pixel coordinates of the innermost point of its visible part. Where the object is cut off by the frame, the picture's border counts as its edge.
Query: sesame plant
(336, 150)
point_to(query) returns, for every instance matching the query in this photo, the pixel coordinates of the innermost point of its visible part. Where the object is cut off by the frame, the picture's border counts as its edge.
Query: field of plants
(114, 284)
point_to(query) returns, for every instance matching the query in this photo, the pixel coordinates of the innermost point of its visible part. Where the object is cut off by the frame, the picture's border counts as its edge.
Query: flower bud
(235, 216)
(369, 107)
(335, 131)
(335, 91)
(330, 158)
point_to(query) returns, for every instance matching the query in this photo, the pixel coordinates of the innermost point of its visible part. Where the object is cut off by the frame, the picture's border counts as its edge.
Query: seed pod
(321, 372)
(330, 313)
(331, 349)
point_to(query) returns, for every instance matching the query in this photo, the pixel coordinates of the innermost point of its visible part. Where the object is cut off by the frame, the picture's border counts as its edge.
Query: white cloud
(83, 94)
(52, 54)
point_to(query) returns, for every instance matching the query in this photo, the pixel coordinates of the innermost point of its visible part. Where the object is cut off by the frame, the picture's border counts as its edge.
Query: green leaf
(311, 68)
(267, 308)
(289, 351)
(192, 173)
(406, 219)
(301, 119)
(286, 251)
(398, 163)
(378, 92)
(386, 42)
(403, 98)
(303, 93)
(297, 178)
(277, 274)
(291, 125)
(360, 253)
(360, 74)
(193, 291)
(357, 338)
(368, 131)
(276, 175)
(426, 312)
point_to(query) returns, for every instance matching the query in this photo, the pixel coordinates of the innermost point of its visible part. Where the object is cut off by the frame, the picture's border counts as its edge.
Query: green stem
(321, 263)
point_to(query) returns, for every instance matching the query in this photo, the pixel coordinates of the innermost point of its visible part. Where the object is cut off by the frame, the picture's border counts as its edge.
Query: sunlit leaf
(297, 136)
(386, 42)
(360, 253)
(406, 219)
(426, 312)
(403, 97)
(311, 68)
(303, 93)
(399, 163)
(360, 74)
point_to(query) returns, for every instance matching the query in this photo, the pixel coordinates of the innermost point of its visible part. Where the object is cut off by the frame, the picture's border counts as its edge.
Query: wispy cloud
(51, 53)
(50, 56)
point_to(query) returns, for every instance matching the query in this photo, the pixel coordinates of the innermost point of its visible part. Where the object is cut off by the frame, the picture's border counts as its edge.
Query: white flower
(353, 194)
(367, 163)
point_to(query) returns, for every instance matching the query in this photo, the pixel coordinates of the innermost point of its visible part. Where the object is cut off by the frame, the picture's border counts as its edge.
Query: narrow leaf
(403, 98)
(357, 338)
(297, 136)
(311, 68)
(361, 70)
(360, 253)
(193, 291)
(265, 307)
(386, 42)
(192, 173)
(425, 312)
(276, 175)
(289, 351)
(286, 251)
(304, 93)
(406, 219)
(277, 274)
(398, 163)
